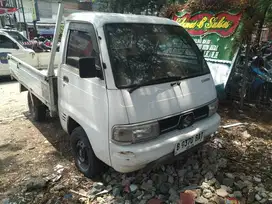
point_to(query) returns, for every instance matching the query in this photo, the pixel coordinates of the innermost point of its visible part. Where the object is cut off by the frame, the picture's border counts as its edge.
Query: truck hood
(160, 100)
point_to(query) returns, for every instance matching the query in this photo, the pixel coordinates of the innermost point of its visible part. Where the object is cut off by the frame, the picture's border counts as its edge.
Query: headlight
(135, 133)
(213, 107)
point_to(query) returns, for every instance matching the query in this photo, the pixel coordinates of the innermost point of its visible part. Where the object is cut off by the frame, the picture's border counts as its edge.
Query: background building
(41, 15)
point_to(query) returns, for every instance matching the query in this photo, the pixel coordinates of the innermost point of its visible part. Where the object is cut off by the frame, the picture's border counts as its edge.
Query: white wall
(47, 8)
(28, 12)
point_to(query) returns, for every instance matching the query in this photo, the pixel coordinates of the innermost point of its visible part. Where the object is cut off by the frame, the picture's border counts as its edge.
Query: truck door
(84, 100)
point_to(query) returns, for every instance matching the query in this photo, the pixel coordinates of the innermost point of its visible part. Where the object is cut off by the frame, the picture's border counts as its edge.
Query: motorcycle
(258, 87)
(266, 48)
(43, 45)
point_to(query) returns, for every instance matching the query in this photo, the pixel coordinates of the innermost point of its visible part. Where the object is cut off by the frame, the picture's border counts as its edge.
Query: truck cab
(130, 90)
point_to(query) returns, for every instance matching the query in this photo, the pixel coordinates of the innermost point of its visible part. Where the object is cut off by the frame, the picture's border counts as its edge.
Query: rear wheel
(84, 156)
(36, 108)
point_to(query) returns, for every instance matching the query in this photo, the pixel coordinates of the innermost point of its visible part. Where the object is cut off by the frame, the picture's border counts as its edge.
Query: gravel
(201, 200)
(237, 194)
(194, 177)
(228, 181)
(222, 192)
(170, 179)
(257, 179)
(207, 193)
(133, 187)
(258, 197)
(240, 185)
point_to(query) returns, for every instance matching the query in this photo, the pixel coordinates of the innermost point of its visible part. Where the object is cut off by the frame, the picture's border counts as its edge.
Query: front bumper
(137, 156)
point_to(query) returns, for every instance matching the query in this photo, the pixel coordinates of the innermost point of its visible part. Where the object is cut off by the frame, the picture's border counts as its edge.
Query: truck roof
(99, 19)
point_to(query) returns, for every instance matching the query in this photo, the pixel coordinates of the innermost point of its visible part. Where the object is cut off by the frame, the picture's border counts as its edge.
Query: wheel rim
(82, 155)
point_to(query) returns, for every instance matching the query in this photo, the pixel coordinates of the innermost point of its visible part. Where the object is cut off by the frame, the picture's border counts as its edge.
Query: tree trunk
(260, 27)
(245, 74)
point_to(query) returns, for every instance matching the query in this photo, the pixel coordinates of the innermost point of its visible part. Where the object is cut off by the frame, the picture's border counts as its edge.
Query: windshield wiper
(154, 81)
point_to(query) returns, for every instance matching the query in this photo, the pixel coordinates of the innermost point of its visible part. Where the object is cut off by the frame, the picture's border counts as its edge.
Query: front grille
(173, 122)
(169, 124)
(201, 113)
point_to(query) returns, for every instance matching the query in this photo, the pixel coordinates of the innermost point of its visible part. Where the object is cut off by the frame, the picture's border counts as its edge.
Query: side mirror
(87, 68)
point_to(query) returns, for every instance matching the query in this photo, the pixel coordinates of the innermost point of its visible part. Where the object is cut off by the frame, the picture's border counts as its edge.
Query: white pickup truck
(129, 90)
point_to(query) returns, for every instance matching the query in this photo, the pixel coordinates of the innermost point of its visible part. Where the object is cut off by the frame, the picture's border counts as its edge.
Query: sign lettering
(224, 24)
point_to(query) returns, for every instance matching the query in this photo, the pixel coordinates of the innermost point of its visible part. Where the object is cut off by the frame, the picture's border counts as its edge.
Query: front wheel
(84, 156)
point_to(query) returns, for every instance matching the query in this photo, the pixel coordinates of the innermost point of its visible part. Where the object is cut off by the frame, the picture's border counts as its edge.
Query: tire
(36, 108)
(85, 159)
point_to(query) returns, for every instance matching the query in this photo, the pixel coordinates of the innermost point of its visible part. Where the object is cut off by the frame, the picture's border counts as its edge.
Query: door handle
(66, 79)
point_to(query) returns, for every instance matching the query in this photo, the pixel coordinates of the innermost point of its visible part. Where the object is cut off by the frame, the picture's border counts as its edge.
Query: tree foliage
(147, 7)
(268, 16)
(135, 6)
(255, 12)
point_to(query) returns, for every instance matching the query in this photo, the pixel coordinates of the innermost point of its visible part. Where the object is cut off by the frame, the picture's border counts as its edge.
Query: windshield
(17, 36)
(145, 52)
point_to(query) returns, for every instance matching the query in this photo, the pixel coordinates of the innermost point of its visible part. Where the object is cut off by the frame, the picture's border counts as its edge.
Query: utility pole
(19, 26)
(35, 16)
(23, 11)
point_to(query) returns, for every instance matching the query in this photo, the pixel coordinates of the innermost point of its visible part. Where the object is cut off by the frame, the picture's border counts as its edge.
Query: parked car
(9, 44)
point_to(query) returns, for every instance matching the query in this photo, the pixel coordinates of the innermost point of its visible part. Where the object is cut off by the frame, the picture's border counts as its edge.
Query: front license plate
(188, 143)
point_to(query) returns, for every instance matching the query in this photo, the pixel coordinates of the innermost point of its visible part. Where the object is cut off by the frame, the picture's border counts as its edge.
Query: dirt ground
(29, 149)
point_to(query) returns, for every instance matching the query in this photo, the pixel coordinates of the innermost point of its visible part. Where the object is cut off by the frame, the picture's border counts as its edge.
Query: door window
(82, 43)
(7, 43)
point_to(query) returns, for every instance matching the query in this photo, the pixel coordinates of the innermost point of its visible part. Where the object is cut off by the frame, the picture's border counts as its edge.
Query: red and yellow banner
(224, 24)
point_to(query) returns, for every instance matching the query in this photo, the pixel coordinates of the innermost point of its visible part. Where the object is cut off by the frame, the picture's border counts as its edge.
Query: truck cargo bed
(33, 79)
